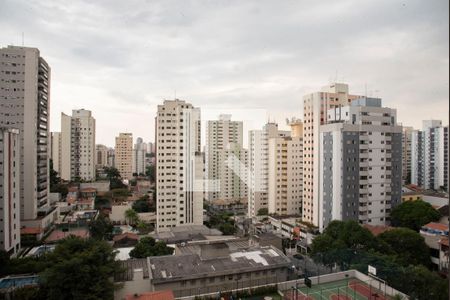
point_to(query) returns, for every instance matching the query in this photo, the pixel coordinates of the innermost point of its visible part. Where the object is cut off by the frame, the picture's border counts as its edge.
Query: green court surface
(338, 290)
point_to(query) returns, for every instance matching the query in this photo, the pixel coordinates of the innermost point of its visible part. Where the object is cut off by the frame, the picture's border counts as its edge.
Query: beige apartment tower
(315, 108)
(25, 105)
(179, 165)
(258, 159)
(226, 160)
(56, 151)
(285, 167)
(124, 155)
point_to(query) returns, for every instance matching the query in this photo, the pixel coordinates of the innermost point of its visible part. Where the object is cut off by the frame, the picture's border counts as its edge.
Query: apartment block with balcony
(226, 160)
(24, 104)
(78, 145)
(315, 108)
(361, 163)
(285, 166)
(429, 156)
(258, 170)
(124, 155)
(179, 165)
(9, 190)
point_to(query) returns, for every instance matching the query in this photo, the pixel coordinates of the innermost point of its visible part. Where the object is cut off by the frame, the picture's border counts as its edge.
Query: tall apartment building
(179, 165)
(124, 155)
(24, 104)
(258, 173)
(226, 177)
(360, 163)
(429, 156)
(139, 151)
(9, 190)
(315, 107)
(78, 145)
(286, 172)
(101, 156)
(406, 153)
(55, 149)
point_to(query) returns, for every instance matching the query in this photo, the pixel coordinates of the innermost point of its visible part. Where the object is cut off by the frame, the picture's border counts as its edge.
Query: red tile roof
(437, 226)
(158, 295)
(125, 235)
(57, 234)
(377, 229)
(31, 230)
(88, 190)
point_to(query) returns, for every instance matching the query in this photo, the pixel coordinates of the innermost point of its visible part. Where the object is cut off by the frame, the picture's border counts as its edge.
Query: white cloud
(121, 58)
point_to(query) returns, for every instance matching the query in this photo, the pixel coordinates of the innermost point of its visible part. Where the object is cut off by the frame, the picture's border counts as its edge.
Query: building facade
(78, 145)
(179, 165)
(224, 174)
(139, 151)
(406, 153)
(315, 108)
(286, 172)
(429, 156)
(9, 190)
(101, 156)
(361, 163)
(124, 155)
(258, 159)
(25, 105)
(56, 151)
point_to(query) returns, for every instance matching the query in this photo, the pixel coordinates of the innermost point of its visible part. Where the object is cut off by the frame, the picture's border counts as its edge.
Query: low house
(126, 239)
(87, 198)
(433, 233)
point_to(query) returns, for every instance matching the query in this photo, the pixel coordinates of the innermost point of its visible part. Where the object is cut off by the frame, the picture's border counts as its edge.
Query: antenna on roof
(23, 39)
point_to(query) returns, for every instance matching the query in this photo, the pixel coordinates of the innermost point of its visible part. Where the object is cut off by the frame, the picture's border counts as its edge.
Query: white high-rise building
(315, 107)
(123, 155)
(24, 104)
(360, 163)
(224, 150)
(285, 172)
(429, 156)
(9, 190)
(179, 165)
(139, 151)
(56, 151)
(78, 145)
(258, 159)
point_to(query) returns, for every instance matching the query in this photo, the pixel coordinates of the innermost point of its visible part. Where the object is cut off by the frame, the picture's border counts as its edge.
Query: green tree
(408, 245)
(80, 269)
(263, 212)
(101, 228)
(131, 216)
(142, 205)
(150, 172)
(148, 247)
(413, 214)
(227, 229)
(114, 177)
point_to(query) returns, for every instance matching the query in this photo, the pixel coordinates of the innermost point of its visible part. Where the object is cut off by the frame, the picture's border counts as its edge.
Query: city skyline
(120, 61)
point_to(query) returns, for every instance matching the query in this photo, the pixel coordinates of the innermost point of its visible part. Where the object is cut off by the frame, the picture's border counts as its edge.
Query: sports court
(338, 290)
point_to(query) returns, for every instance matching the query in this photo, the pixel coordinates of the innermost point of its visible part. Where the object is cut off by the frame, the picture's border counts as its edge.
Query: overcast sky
(121, 58)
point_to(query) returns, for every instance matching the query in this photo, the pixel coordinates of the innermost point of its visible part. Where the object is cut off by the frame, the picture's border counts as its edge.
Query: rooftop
(18, 281)
(129, 266)
(219, 259)
(377, 229)
(157, 295)
(436, 226)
